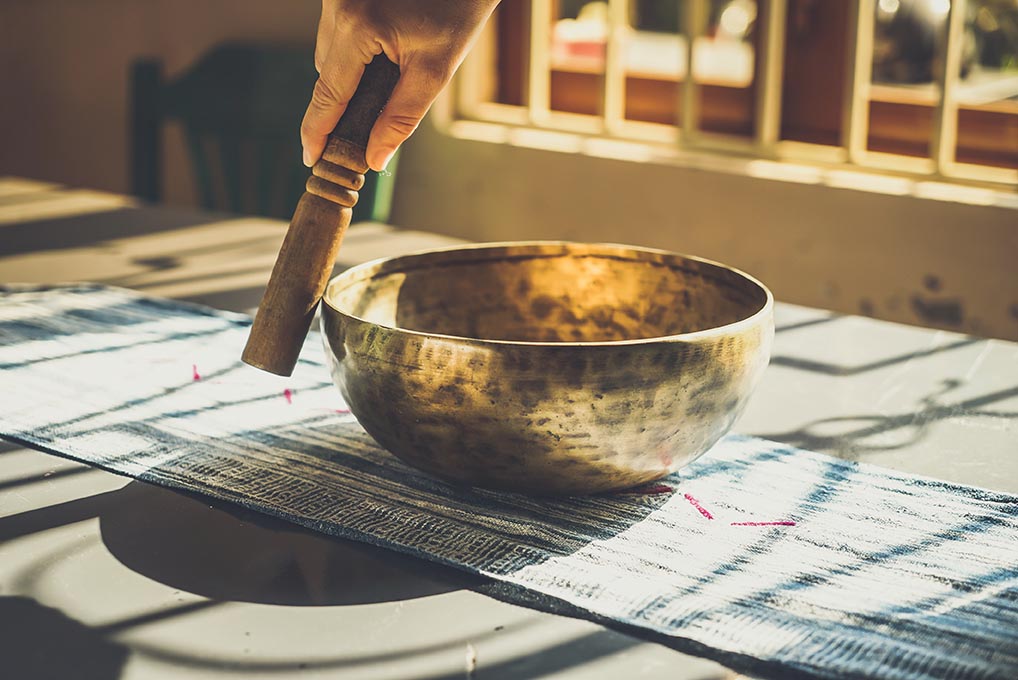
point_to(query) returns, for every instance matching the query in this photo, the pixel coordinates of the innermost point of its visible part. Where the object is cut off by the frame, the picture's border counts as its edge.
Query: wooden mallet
(306, 258)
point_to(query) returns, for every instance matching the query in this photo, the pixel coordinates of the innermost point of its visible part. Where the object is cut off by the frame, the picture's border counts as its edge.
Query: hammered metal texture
(547, 368)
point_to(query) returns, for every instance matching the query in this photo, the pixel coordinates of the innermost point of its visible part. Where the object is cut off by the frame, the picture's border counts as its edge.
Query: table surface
(114, 578)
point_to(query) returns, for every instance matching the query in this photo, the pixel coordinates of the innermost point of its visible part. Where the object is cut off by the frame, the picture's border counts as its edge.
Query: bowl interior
(547, 292)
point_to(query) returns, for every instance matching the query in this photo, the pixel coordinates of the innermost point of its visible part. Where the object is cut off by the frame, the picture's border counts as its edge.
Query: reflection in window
(908, 46)
(654, 40)
(909, 43)
(908, 40)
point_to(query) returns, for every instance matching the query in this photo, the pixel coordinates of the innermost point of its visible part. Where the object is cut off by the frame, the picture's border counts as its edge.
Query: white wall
(917, 260)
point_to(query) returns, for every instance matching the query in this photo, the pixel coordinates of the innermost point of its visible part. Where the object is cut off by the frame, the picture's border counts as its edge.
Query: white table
(117, 579)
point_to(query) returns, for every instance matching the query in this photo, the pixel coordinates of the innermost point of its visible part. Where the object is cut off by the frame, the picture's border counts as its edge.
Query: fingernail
(307, 158)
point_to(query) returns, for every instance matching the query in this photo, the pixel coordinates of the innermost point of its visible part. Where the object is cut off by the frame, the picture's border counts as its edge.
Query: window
(926, 87)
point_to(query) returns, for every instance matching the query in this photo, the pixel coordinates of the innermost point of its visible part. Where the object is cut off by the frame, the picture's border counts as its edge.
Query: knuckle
(326, 95)
(436, 72)
(402, 124)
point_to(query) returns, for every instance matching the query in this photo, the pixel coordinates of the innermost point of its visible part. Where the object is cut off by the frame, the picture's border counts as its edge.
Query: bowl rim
(707, 333)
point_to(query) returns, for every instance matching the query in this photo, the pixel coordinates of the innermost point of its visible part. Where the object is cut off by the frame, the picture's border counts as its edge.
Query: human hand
(427, 39)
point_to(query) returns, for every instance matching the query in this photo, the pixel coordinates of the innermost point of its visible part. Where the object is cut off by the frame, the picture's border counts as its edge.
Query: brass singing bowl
(547, 367)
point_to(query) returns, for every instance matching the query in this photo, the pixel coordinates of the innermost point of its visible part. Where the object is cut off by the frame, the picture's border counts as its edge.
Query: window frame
(868, 127)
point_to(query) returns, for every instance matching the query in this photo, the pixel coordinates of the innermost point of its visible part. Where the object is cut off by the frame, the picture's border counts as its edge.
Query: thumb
(417, 89)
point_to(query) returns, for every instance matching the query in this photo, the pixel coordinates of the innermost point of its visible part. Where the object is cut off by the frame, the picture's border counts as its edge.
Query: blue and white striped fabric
(771, 560)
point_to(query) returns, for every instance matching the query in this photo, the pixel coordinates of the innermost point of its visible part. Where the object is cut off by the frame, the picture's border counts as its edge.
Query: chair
(240, 107)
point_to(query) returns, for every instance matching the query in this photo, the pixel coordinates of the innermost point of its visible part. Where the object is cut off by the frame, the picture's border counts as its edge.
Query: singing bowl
(547, 367)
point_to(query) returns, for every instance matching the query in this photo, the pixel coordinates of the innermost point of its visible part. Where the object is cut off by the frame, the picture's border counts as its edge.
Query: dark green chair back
(240, 107)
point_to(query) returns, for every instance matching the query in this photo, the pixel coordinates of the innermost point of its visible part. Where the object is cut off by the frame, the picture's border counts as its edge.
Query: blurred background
(67, 68)
(856, 155)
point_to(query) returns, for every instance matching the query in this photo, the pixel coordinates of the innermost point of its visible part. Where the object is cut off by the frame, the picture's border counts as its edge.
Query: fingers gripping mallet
(323, 213)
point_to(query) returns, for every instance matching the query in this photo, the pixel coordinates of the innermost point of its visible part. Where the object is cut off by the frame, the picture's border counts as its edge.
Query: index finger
(340, 74)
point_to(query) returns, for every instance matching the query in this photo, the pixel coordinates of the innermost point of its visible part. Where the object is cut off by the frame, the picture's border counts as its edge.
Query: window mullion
(539, 62)
(695, 15)
(945, 117)
(856, 113)
(769, 88)
(614, 92)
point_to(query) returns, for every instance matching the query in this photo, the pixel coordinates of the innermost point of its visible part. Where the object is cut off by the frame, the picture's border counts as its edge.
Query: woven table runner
(771, 560)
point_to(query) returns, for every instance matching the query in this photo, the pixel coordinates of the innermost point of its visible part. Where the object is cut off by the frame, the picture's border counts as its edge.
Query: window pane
(579, 36)
(511, 34)
(726, 55)
(813, 91)
(908, 47)
(654, 56)
(653, 47)
(988, 92)
(907, 40)
(908, 51)
(724, 63)
(651, 56)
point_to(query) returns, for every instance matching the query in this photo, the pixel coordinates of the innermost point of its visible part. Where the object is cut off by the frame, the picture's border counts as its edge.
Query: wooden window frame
(813, 97)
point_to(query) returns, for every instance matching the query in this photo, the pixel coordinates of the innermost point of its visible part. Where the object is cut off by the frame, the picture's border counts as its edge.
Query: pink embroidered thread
(782, 523)
(696, 504)
(288, 395)
(195, 375)
(341, 410)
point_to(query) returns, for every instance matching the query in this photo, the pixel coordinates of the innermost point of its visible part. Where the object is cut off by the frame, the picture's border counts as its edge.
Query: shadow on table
(40, 642)
(225, 553)
(849, 437)
(79, 230)
(838, 370)
(94, 228)
(232, 554)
